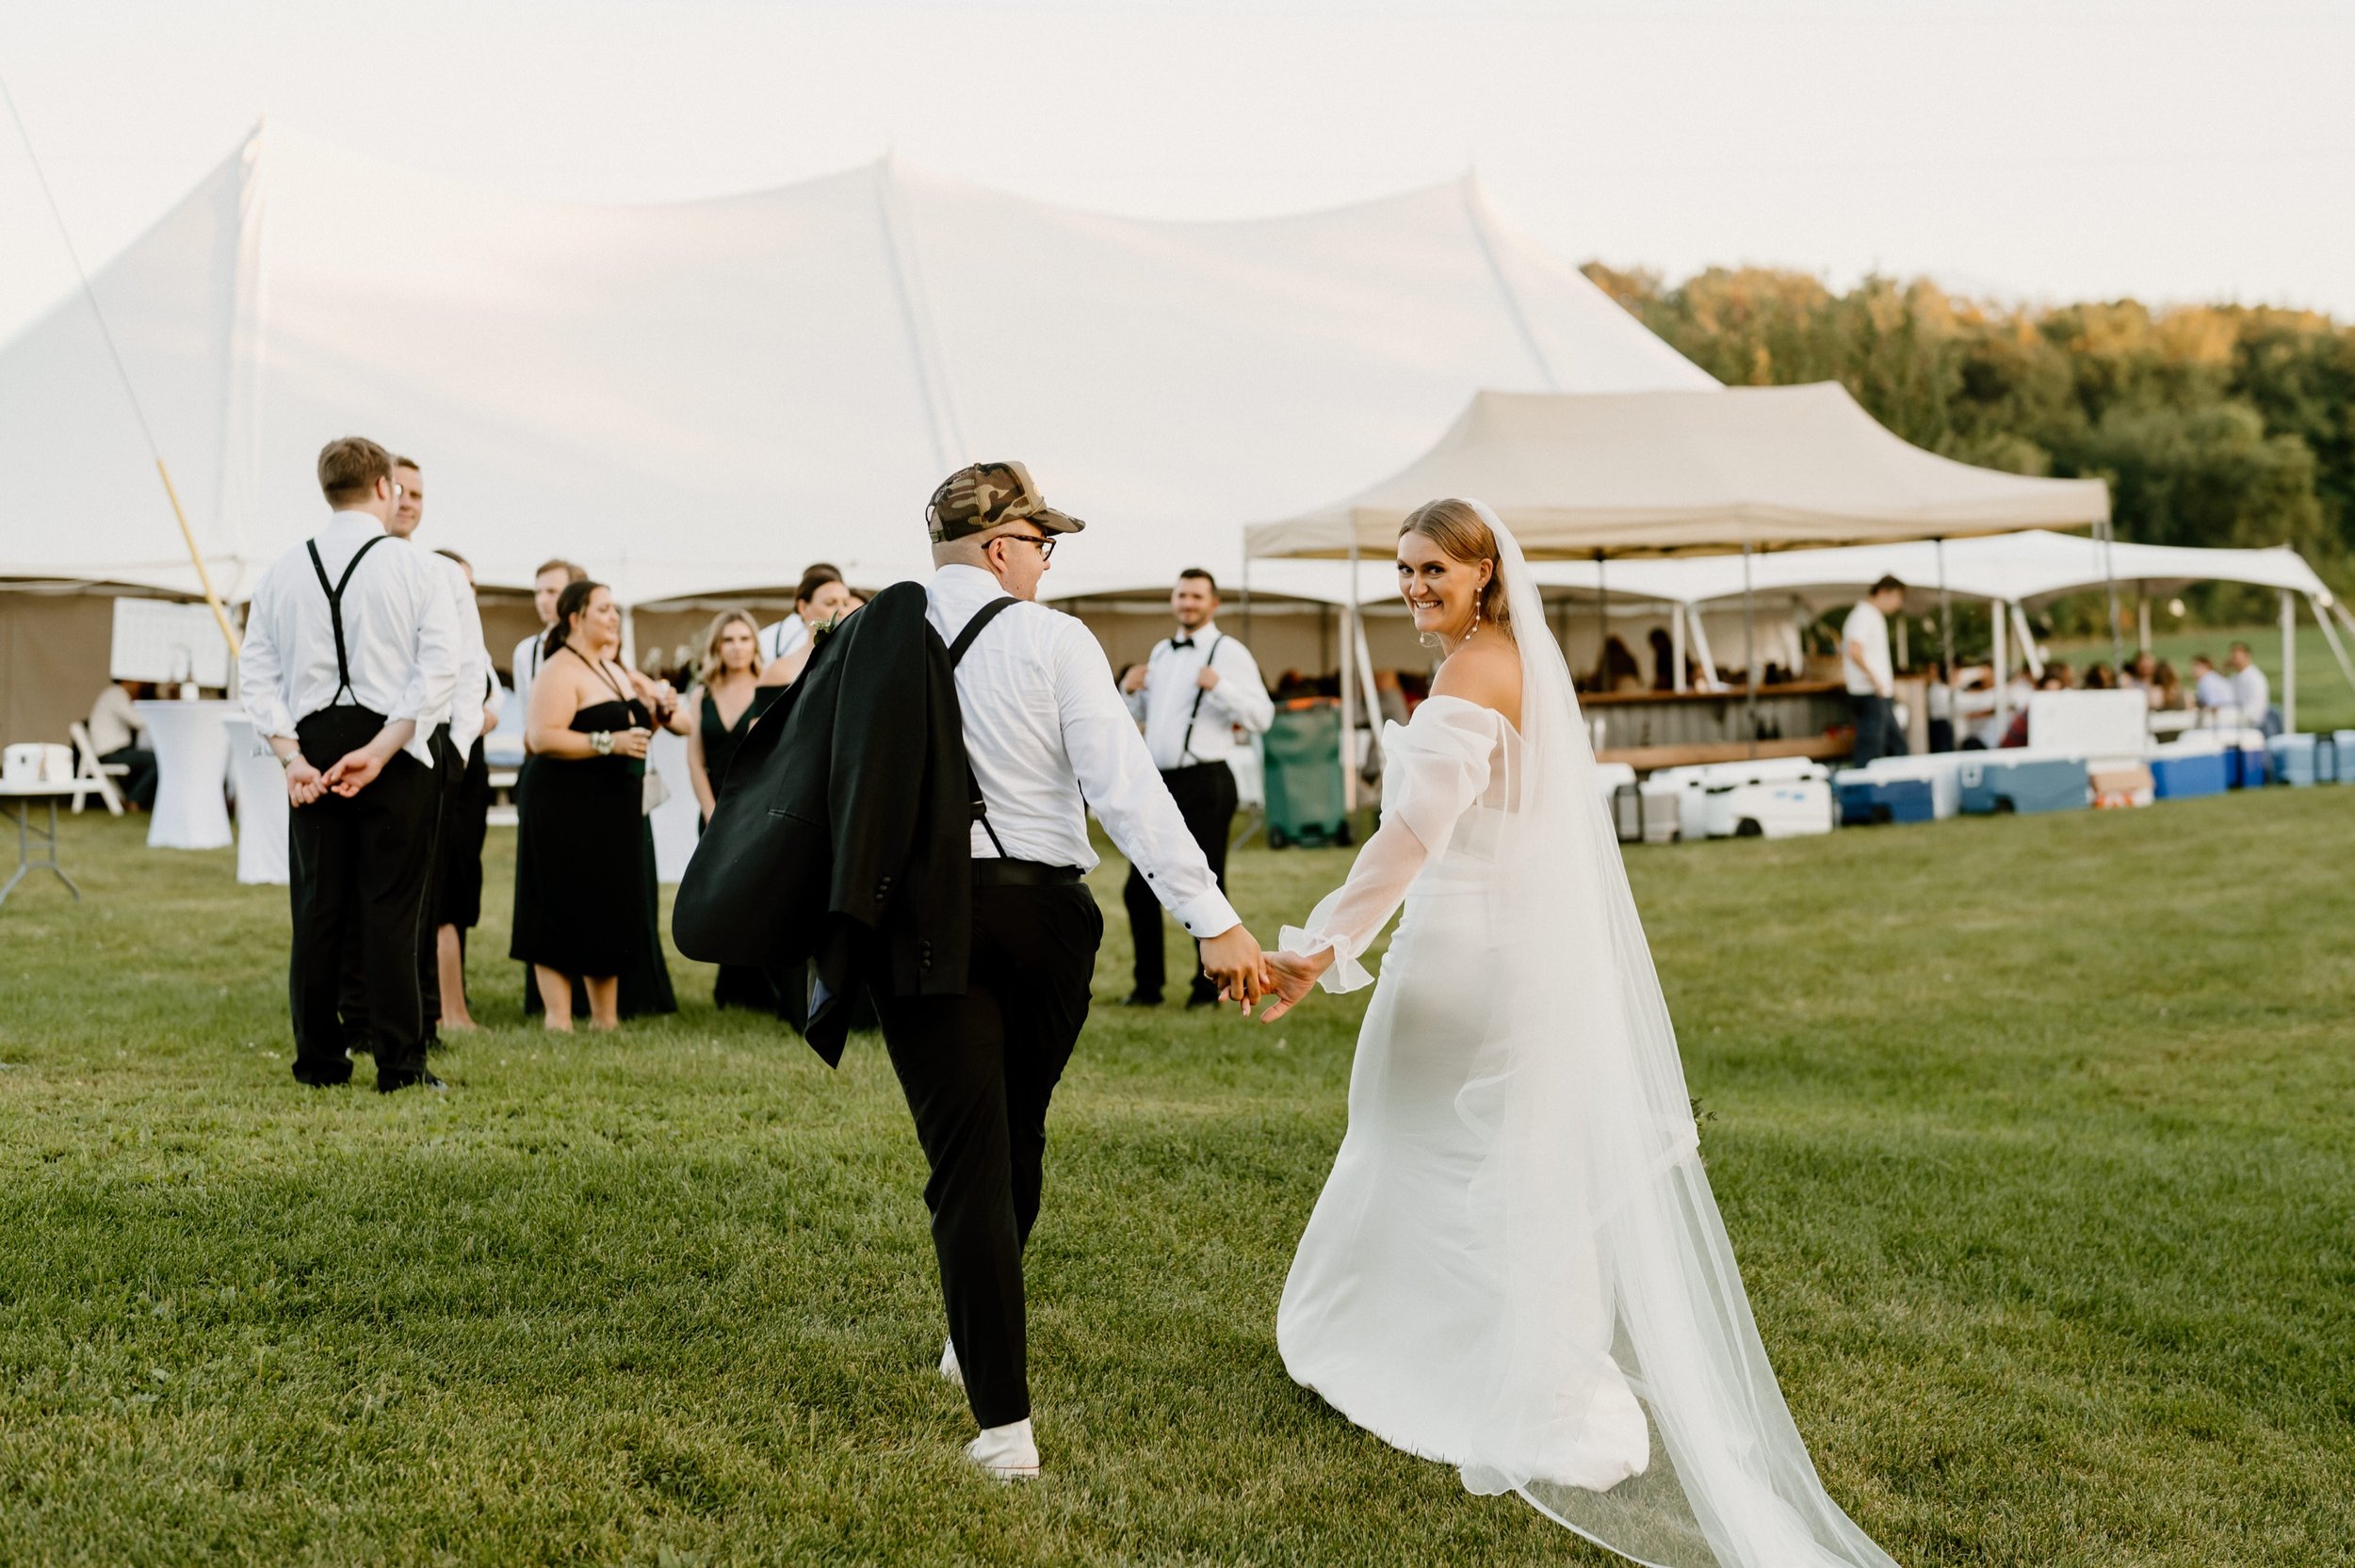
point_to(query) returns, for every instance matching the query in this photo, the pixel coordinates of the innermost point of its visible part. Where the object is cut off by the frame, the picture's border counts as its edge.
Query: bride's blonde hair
(1456, 528)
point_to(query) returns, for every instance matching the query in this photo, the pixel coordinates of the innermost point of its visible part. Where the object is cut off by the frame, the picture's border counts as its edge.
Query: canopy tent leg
(2142, 618)
(1703, 655)
(1905, 642)
(2002, 667)
(1365, 690)
(1349, 676)
(1676, 646)
(2029, 654)
(1749, 653)
(2289, 661)
(1602, 626)
(2330, 635)
(2109, 583)
(1945, 619)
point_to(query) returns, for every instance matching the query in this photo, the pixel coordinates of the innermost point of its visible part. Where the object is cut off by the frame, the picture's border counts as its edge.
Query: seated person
(2167, 689)
(2211, 694)
(116, 730)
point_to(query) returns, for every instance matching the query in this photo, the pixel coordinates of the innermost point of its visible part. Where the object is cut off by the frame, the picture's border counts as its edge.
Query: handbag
(653, 790)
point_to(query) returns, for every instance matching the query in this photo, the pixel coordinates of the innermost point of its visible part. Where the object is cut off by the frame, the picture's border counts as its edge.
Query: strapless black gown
(587, 901)
(738, 985)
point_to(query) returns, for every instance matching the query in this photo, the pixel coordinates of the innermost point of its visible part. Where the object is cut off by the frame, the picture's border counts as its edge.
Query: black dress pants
(978, 1070)
(351, 995)
(357, 873)
(1205, 796)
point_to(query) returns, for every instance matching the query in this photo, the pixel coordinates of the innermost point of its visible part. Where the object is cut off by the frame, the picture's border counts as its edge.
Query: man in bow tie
(1196, 690)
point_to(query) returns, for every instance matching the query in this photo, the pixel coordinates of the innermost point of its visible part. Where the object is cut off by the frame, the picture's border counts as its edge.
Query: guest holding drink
(726, 697)
(585, 892)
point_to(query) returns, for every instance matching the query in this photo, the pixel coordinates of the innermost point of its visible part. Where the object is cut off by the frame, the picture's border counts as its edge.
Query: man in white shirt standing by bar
(1870, 674)
(1048, 741)
(350, 642)
(1192, 693)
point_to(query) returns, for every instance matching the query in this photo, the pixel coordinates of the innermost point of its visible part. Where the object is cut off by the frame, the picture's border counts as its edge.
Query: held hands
(1232, 960)
(1288, 979)
(631, 742)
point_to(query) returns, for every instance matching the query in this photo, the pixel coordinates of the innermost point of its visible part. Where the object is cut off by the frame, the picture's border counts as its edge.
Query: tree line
(2215, 425)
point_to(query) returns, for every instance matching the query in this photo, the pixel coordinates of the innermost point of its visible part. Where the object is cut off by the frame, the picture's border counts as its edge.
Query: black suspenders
(1200, 692)
(335, 611)
(981, 617)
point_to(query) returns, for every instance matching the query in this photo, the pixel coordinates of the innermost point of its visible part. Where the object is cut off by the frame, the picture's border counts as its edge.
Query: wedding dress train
(1517, 1266)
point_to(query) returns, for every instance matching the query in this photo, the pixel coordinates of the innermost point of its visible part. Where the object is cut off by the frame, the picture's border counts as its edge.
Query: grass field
(2032, 1137)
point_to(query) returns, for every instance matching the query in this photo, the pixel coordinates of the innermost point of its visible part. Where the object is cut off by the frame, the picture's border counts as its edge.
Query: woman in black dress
(585, 892)
(726, 697)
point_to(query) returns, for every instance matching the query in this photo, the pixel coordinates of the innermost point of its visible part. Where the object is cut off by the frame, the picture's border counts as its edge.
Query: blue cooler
(2338, 755)
(2183, 775)
(2292, 760)
(2028, 786)
(1866, 801)
(2245, 766)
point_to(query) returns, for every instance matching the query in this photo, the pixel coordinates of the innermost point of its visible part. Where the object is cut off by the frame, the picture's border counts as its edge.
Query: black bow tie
(1181, 643)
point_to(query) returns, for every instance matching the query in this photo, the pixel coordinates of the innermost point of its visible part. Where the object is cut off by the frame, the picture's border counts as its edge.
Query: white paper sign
(157, 640)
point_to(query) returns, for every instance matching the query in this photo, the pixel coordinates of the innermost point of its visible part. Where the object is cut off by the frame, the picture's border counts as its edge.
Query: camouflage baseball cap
(985, 495)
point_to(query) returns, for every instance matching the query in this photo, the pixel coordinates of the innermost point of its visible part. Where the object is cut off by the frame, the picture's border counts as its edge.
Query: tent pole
(2330, 635)
(1675, 647)
(2028, 655)
(1602, 627)
(2289, 661)
(1749, 653)
(2109, 582)
(2142, 618)
(1945, 620)
(1702, 653)
(1349, 676)
(2003, 669)
(203, 576)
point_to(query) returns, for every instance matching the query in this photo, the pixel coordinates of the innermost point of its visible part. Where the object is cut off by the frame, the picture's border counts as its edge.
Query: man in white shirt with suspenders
(1195, 690)
(546, 584)
(349, 642)
(1048, 741)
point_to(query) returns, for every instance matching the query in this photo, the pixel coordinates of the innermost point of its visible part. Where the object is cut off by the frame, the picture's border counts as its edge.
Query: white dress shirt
(524, 666)
(2253, 693)
(1867, 628)
(400, 633)
(114, 723)
(474, 685)
(1050, 738)
(780, 638)
(1178, 730)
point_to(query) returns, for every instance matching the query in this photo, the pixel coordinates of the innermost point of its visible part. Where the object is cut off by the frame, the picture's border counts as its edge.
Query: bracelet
(601, 743)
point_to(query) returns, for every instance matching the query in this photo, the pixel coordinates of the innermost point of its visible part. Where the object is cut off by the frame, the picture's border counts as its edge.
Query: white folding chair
(86, 766)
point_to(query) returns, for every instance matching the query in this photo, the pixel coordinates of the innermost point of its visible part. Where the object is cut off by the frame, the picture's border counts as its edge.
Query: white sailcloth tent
(703, 396)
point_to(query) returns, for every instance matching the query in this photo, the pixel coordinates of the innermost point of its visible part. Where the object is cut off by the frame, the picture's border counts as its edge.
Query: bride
(1517, 1266)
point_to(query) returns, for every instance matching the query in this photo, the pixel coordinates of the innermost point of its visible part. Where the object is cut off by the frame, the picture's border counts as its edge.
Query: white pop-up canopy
(1577, 473)
(704, 397)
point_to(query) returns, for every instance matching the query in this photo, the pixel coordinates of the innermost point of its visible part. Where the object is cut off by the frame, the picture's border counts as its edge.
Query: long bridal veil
(1596, 1212)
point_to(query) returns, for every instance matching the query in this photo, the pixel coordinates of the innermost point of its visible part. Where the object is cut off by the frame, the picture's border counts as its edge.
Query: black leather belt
(1022, 873)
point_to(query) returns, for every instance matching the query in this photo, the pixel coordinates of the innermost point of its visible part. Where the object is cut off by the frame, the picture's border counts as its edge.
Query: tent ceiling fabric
(692, 396)
(1656, 471)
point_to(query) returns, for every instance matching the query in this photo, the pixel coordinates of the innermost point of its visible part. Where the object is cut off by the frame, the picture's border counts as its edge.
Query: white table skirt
(191, 765)
(262, 808)
(674, 820)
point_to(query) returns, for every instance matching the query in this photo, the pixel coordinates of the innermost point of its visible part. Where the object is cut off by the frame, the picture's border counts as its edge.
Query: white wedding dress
(1517, 1266)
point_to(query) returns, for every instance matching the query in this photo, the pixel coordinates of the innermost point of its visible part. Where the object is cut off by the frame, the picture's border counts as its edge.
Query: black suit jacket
(844, 822)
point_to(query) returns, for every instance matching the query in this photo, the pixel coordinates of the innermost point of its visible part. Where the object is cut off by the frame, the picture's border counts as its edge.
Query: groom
(1049, 739)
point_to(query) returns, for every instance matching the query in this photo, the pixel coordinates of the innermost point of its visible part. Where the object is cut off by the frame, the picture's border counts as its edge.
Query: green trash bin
(1302, 751)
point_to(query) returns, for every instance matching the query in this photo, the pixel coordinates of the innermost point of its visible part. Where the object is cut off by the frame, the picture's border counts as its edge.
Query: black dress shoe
(387, 1083)
(310, 1082)
(1138, 1000)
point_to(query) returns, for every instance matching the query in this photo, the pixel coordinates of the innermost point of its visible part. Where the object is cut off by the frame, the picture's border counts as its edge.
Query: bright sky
(2043, 150)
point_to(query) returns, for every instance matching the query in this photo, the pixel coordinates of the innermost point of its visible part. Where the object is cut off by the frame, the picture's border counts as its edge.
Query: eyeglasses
(1046, 545)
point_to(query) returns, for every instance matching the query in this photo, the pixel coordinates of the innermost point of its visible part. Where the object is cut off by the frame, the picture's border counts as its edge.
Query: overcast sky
(2038, 150)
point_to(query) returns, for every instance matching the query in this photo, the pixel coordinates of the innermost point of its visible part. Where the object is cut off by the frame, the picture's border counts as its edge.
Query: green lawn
(2032, 1137)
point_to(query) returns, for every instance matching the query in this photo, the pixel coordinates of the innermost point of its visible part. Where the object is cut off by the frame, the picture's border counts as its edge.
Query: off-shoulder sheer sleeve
(1433, 769)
